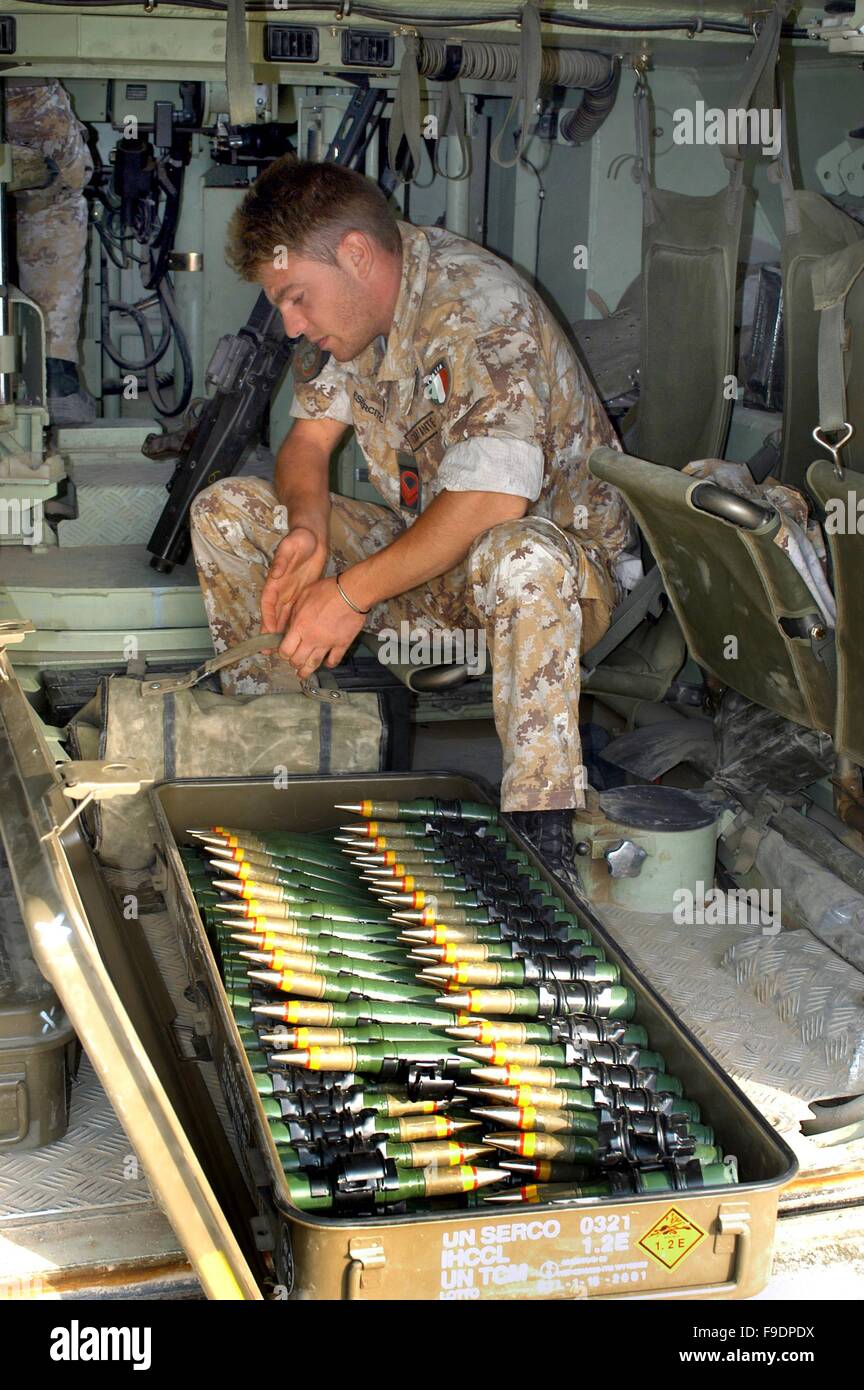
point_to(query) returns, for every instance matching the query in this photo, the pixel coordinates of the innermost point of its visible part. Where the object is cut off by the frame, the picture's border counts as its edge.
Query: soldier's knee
(207, 504)
(518, 549)
(238, 501)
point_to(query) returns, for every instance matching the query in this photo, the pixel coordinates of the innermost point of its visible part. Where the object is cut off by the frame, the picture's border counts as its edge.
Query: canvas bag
(168, 729)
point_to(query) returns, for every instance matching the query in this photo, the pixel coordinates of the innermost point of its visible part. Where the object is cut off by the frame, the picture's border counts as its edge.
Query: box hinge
(85, 782)
(11, 631)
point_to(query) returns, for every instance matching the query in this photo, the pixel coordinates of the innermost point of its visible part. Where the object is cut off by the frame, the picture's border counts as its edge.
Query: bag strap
(238, 69)
(453, 113)
(262, 641)
(527, 85)
(834, 359)
(405, 120)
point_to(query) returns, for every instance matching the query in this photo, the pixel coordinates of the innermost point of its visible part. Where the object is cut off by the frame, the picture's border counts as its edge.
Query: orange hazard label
(672, 1238)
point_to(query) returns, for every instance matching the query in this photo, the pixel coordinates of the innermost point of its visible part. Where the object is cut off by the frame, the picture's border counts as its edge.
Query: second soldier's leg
(51, 225)
(528, 590)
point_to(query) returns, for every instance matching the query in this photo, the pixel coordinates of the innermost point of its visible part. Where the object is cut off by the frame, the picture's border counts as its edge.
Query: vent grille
(290, 43)
(367, 48)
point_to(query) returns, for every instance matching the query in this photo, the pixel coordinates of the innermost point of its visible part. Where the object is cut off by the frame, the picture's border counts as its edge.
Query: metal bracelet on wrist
(362, 611)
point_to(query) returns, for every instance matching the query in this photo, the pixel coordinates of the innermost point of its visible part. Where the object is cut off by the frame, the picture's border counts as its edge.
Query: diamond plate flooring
(784, 1046)
(92, 1168)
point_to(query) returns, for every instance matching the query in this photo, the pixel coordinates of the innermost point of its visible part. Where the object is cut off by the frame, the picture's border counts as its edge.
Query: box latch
(14, 1109)
(733, 1220)
(365, 1255)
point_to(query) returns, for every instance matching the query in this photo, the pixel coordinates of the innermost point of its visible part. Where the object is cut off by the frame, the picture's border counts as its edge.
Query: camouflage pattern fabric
(475, 388)
(51, 222)
(536, 597)
(520, 414)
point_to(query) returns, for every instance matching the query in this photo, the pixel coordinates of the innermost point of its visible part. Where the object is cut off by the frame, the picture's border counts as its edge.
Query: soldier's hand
(298, 562)
(322, 629)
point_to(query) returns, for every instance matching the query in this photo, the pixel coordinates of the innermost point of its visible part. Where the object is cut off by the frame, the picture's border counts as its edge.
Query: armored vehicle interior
(711, 285)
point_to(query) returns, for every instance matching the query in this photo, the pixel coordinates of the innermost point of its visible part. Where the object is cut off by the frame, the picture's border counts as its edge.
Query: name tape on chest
(424, 430)
(370, 409)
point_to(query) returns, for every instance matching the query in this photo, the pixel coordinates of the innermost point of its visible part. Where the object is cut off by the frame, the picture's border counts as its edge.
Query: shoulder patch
(308, 361)
(437, 381)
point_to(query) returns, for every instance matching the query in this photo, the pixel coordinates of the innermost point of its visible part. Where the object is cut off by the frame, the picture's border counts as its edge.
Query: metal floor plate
(759, 1044)
(93, 1166)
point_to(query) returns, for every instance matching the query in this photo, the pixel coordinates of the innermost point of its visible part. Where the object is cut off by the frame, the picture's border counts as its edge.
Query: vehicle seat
(745, 611)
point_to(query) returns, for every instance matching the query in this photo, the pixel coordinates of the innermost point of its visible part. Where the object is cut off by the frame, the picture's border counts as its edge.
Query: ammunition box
(699, 1243)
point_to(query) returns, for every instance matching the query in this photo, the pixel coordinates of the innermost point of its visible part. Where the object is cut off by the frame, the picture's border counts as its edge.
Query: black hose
(169, 317)
(580, 124)
(827, 1117)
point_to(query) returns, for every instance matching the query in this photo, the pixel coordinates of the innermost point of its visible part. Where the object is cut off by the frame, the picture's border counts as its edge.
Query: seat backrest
(743, 608)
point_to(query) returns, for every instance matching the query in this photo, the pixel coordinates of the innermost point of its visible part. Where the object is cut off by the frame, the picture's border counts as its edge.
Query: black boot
(550, 834)
(68, 402)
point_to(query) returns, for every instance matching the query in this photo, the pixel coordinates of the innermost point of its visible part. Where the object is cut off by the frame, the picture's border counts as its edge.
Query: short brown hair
(305, 208)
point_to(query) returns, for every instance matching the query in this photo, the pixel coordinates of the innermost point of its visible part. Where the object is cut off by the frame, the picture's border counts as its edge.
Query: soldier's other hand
(299, 561)
(322, 628)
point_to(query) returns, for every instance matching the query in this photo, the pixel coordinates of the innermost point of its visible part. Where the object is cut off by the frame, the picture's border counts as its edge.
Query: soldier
(51, 230)
(475, 418)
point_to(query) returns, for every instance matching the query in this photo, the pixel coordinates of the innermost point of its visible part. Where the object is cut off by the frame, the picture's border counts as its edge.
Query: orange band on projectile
(244, 871)
(527, 1116)
(365, 809)
(408, 881)
(314, 1062)
(287, 977)
(499, 1053)
(530, 1193)
(253, 907)
(522, 1095)
(469, 1178)
(451, 954)
(472, 1007)
(292, 1011)
(513, 1075)
(442, 1127)
(528, 1146)
(301, 1038)
(372, 828)
(462, 973)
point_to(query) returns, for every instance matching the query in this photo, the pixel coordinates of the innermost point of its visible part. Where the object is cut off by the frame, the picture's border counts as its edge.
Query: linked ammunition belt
(429, 1025)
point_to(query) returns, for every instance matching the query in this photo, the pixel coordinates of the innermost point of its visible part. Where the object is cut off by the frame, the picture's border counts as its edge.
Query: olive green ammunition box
(699, 1243)
(39, 1052)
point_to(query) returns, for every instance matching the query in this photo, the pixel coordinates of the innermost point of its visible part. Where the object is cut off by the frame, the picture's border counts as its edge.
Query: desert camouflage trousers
(51, 223)
(525, 584)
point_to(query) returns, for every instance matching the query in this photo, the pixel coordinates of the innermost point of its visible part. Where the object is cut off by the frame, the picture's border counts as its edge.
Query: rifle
(217, 432)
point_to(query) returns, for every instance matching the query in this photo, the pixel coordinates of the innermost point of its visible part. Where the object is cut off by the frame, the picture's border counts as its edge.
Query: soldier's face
(331, 305)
